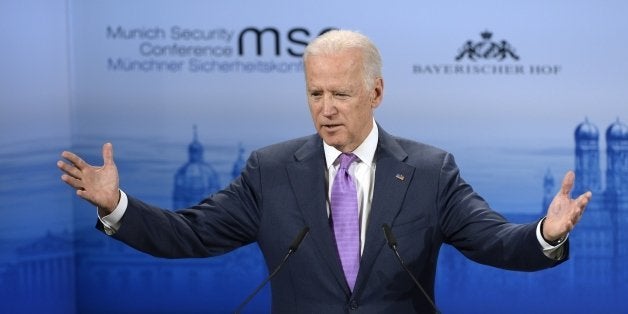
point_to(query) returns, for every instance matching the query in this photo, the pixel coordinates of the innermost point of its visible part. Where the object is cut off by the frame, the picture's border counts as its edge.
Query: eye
(341, 95)
(316, 94)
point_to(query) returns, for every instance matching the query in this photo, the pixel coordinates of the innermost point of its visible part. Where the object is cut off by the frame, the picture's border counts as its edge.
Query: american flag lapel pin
(400, 177)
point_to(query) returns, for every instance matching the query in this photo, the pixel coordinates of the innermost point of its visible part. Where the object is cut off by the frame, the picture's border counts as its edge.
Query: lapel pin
(400, 176)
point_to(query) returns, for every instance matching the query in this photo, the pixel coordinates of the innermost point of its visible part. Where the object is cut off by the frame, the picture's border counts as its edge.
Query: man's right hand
(97, 185)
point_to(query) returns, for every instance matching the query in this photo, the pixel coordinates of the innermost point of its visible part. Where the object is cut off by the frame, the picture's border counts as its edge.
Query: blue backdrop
(519, 92)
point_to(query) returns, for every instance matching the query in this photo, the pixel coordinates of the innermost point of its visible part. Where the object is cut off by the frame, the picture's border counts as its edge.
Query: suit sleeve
(481, 234)
(220, 223)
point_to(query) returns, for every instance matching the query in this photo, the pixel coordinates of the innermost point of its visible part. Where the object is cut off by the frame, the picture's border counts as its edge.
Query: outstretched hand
(97, 185)
(564, 212)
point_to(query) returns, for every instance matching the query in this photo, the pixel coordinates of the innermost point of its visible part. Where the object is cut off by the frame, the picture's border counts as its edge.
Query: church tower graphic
(548, 190)
(617, 161)
(616, 194)
(587, 158)
(196, 179)
(600, 241)
(239, 163)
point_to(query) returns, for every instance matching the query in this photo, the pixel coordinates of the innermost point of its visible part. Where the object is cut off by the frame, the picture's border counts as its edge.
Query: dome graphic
(617, 131)
(586, 131)
(196, 179)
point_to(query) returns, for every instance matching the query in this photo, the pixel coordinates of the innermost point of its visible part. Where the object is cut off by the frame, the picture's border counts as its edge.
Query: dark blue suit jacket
(283, 188)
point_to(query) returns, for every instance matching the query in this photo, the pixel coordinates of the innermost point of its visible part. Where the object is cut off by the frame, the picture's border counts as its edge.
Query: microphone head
(299, 238)
(390, 238)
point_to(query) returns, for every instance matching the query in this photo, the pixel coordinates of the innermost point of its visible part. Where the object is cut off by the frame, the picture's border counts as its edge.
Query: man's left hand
(564, 212)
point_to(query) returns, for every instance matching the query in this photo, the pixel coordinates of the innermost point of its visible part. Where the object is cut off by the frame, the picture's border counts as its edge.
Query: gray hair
(336, 41)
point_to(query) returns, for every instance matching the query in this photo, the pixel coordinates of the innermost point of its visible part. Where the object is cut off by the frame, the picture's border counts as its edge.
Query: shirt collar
(366, 150)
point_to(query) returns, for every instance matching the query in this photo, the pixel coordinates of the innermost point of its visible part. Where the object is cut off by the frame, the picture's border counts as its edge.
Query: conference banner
(519, 92)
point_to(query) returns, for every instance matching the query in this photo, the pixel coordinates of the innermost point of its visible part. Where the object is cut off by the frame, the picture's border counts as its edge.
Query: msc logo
(295, 38)
(487, 49)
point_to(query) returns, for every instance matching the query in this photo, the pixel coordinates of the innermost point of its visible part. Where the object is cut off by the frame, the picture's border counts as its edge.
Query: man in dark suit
(344, 183)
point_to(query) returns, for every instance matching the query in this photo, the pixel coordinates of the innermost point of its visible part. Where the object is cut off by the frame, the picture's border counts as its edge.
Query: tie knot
(346, 160)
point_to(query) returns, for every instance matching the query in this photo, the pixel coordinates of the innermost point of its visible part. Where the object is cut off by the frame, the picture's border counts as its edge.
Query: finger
(84, 195)
(583, 199)
(107, 154)
(73, 182)
(567, 185)
(580, 205)
(75, 160)
(575, 218)
(69, 169)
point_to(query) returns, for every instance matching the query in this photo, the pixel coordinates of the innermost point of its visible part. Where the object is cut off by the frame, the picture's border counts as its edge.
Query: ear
(377, 93)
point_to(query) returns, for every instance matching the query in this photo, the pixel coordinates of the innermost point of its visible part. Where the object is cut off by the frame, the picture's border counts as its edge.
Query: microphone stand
(293, 248)
(392, 243)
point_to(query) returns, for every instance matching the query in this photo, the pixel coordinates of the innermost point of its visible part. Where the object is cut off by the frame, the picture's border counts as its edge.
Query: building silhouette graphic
(196, 179)
(42, 273)
(600, 243)
(78, 268)
(239, 163)
(58, 273)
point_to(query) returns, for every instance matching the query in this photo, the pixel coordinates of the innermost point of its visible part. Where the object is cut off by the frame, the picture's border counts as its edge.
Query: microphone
(291, 249)
(392, 243)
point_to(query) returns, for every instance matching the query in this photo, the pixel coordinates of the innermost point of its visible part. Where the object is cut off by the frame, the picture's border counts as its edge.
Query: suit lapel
(307, 178)
(392, 178)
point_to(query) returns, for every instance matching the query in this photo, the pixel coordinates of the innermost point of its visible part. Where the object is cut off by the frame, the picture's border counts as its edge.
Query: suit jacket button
(353, 305)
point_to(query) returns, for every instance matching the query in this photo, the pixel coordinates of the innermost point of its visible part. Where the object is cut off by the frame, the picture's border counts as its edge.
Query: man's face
(340, 104)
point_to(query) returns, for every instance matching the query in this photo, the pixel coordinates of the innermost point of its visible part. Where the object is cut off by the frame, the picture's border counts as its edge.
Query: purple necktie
(344, 215)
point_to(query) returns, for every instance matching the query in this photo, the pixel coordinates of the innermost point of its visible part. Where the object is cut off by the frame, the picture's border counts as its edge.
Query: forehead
(344, 68)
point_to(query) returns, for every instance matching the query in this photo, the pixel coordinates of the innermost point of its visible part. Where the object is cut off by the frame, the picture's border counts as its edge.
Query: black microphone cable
(291, 249)
(392, 243)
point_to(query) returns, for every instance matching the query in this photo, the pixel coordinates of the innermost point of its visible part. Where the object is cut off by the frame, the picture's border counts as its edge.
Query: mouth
(331, 127)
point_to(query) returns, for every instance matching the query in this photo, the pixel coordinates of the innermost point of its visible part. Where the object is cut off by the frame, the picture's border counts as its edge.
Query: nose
(329, 107)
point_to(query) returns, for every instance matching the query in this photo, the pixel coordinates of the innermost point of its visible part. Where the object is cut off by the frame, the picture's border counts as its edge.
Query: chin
(335, 139)
(331, 141)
